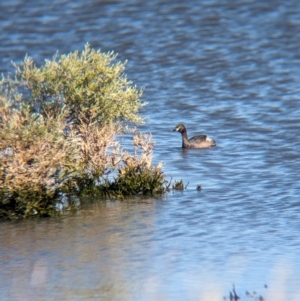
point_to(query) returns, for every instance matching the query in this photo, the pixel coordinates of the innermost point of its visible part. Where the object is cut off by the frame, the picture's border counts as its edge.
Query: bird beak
(174, 130)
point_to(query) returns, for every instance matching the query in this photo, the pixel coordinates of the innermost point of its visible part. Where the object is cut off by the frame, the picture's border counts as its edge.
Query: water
(228, 69)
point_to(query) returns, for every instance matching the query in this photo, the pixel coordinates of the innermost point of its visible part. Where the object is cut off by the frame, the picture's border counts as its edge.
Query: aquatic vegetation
(254, 296)
(198, 187)
(58, 134)
(135, 174)
(178, 185)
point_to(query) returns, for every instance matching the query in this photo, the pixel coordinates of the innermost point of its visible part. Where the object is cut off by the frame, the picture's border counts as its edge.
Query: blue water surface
(230, 69)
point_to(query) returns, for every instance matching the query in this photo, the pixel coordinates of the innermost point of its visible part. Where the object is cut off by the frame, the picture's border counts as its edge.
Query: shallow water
(228, 69)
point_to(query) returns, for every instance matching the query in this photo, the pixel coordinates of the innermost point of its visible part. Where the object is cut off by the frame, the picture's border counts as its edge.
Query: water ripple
(227, 69)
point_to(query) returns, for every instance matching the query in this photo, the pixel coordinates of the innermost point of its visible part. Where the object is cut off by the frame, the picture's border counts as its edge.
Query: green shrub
(58, 126)
(87, 84)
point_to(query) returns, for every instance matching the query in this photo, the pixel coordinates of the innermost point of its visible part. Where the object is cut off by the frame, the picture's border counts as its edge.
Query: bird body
(200, 141)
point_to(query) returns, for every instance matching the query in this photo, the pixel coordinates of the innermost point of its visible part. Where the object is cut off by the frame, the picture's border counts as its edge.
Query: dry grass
(38, 164)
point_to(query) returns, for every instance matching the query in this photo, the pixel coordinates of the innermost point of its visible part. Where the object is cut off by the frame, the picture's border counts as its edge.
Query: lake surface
(230, 69)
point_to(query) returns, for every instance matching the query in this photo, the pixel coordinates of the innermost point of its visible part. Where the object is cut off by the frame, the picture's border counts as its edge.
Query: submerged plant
(58, 127)
(178, 185)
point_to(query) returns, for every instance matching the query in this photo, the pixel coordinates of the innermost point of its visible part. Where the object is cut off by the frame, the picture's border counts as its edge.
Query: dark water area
(230, 69)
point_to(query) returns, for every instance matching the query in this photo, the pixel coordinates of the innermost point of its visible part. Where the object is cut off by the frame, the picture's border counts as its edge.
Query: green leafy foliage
(87, 84)
(58, 125)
